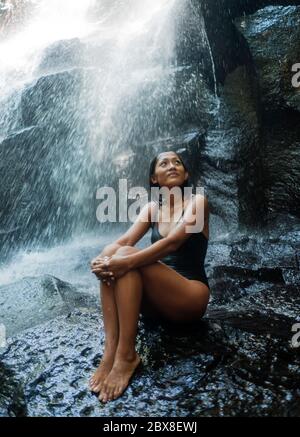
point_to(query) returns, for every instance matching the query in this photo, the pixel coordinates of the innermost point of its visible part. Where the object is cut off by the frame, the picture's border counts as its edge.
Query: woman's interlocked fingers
(100, 266)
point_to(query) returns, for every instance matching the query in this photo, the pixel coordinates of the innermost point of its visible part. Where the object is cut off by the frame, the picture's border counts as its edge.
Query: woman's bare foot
(118, 378)
(102, 372)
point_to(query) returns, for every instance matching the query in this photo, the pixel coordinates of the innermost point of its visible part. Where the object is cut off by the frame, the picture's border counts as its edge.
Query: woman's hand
(118, 265)
(99, 267)
(111, 267)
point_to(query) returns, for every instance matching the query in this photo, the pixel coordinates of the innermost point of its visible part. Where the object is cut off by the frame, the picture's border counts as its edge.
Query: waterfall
(84, 87)
(51, 20)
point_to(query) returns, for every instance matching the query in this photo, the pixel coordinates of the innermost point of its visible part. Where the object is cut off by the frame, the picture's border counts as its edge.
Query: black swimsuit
(188, 259)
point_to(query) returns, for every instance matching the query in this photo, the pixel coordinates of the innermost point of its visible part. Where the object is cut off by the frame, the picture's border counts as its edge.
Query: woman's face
(169, 171)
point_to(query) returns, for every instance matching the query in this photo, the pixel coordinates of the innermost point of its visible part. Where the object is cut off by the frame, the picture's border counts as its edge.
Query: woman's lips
(173, 174)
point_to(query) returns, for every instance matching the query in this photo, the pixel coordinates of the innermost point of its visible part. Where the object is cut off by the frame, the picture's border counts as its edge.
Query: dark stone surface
(237, 361)
(273, 37)
(264, 142)
(230, 166)
(12, 401)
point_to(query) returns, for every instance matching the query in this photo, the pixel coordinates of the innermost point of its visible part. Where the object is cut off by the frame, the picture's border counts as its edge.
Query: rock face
(266, 44)
(273, 37)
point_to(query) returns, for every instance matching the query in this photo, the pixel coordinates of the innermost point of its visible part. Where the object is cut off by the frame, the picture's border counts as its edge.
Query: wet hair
(152, 172)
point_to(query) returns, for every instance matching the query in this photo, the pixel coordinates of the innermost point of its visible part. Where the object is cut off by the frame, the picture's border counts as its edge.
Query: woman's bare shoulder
(152, 207)
(200, 199)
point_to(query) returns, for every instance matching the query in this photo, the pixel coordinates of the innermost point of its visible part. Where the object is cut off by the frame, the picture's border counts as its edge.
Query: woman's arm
(194, 215)
(132, 235)
(139, 227)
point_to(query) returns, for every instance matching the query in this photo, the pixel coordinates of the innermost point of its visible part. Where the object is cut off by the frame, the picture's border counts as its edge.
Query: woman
(166, 279)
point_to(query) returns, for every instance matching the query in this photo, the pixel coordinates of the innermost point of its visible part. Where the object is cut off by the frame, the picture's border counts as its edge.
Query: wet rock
(191, 44)
(52, 99)
(32, 301)
(62, 55)
(12, 401)
(272, 37)
(54, 131)
(230, 162)
(236, 361)
(249, 264)
(265, 45)
(23, 201)
(27, 153)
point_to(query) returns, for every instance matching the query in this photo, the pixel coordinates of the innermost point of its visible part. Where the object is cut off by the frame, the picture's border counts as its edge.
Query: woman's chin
(173, 184)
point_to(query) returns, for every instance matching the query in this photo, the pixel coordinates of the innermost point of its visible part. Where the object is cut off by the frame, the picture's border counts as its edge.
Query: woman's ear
(153, 180)
(186, 176)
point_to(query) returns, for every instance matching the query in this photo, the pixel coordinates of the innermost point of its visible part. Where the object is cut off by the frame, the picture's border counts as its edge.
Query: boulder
(34, 300)
(236, 362)
(272, 37)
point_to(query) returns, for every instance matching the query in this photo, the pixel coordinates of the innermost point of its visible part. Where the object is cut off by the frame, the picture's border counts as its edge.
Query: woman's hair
(152, 171)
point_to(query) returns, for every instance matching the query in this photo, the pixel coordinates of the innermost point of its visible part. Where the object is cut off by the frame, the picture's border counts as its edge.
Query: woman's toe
(96, 388)
(116, 394)
(103, 396)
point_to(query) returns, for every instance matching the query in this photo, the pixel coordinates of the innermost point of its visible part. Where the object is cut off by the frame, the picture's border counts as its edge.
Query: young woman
(165, 280)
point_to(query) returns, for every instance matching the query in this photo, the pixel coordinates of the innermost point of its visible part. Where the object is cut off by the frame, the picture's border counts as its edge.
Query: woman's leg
(111, 329)
(170, 294)
(175, 298)
(128, 295)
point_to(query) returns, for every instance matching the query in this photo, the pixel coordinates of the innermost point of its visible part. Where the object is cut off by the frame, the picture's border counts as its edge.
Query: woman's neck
(173, 203)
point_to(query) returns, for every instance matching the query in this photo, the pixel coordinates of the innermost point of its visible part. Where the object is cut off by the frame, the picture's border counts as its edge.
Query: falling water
(22, 49)
(84, 86)
(52, 21)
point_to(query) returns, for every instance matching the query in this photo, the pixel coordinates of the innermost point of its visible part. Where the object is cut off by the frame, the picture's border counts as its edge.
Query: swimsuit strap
(156, 221)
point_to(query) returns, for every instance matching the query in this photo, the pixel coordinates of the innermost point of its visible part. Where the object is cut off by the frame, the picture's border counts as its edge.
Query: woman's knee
(110, 249)
(126, 250)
